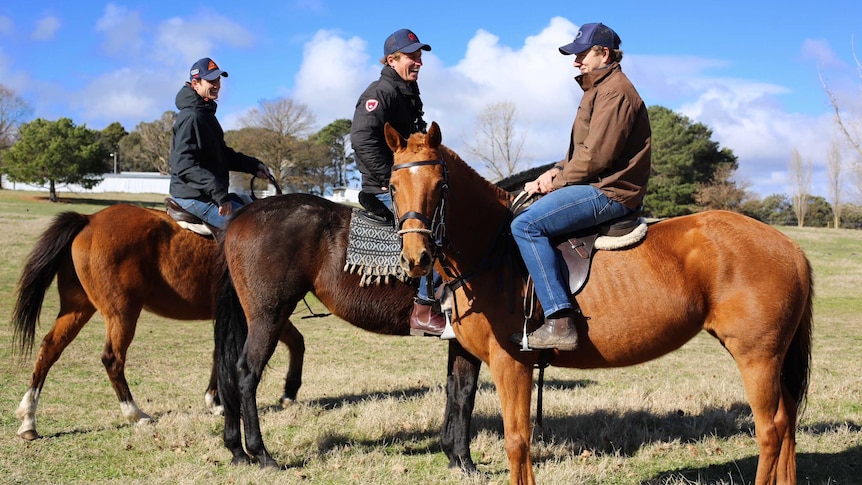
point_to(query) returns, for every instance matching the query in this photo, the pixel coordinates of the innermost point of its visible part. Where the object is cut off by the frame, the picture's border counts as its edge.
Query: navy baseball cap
(207, 69)
(590, 35)
(405, 41)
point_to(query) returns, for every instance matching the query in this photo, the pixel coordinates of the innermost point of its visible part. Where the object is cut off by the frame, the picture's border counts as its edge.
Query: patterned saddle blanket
(373, 250)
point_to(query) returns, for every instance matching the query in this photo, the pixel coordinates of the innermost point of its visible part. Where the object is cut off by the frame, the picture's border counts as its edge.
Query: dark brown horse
(742, 281)
(119, 261)
(276, 251)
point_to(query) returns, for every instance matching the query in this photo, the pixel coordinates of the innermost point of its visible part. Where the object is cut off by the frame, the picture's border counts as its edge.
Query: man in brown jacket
(603, 177)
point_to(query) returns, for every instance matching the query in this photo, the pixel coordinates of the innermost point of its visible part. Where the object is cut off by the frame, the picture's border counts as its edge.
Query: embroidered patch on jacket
(371, 105)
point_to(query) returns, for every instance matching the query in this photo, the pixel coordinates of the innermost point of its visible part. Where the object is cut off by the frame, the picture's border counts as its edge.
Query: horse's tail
(231, 330)
(796, 369)
(51, 250)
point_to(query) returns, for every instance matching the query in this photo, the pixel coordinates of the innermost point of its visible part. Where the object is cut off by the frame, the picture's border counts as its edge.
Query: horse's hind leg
(211, 398)
(75, 311)
(295, 343)
(120, 330)
(787, 457)
(263, 335)
(761, 378)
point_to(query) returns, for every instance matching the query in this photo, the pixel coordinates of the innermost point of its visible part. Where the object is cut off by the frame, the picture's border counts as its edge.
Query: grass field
(371, 407)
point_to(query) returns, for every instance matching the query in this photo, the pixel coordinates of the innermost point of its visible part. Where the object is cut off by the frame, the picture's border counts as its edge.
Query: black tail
(230, 335)
(51, 250)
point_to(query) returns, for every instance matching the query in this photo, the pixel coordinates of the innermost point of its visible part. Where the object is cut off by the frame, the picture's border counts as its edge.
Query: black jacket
(390, 99)
(200, 159)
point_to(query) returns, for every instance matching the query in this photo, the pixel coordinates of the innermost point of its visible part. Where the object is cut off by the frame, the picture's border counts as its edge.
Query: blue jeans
(206, 211)
(423, 295)
(560, 212)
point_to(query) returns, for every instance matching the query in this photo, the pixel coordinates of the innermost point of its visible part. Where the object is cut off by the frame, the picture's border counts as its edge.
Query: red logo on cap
(371, 105)
(412, 36)
(212, 66)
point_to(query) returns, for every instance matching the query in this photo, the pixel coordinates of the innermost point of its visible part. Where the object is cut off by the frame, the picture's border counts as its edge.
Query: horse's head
(418, 189)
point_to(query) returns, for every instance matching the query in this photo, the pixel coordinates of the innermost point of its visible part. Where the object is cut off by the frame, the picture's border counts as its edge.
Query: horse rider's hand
(225, 209)
(262, 171)
(544, 184)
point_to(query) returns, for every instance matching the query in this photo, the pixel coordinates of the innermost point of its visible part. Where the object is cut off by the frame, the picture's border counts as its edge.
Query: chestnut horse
(740, 280)
(277, 250)
(119, 261)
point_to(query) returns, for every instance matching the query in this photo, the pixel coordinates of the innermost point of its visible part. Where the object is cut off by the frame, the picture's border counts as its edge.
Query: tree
(799, 173)
(56, 152)
(110, 137)
(149, 145)
(281, 124)
(777, 209)
(683, 156)
(722, 192)
(496, 142)
(13, 112)
(336, 138)
(834, 172)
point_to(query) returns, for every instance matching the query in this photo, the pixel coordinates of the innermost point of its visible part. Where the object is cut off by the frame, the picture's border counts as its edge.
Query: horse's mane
(451, 158)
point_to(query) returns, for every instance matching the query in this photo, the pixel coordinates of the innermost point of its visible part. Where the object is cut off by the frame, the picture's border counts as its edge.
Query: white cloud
(122, 29)
(46, 28)
(190, 39)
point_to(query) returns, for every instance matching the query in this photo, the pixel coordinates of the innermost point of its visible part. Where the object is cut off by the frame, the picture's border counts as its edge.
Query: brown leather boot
(425, 321)
(555, 333)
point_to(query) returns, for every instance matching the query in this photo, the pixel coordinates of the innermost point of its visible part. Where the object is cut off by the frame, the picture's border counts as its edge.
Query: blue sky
(748, 70)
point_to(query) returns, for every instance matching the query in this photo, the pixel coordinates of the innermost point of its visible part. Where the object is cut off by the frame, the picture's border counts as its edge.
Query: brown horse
(277, 250)
(119, 261)
(740, 280)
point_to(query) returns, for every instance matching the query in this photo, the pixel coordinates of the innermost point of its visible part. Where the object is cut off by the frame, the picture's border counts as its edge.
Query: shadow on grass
(840, 468)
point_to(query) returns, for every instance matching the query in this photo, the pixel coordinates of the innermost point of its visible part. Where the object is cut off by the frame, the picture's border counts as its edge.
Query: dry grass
(371, 407)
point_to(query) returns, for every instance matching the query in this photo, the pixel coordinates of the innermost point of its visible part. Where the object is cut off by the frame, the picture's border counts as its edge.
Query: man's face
(592, 59)
(207, 89)
(407, 65)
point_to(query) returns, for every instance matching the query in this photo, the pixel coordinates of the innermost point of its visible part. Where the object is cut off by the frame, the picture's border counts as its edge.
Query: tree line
(690, 171)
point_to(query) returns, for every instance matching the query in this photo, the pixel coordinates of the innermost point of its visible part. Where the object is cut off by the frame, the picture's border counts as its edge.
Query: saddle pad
(373, 251)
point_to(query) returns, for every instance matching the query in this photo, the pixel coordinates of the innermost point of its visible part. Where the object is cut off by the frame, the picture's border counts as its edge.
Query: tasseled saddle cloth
(373, 250)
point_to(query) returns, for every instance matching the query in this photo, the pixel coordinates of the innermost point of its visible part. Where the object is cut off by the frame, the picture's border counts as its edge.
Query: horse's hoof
(217, 410)
(269, 465)
(240, 460)
(144, 421)
(287, 402)
(30, 435)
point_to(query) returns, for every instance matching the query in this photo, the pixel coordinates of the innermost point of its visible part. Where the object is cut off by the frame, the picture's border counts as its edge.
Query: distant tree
(799, 173)
(52, 152)
(835, 178)
(110, 137)
(496, 141)
(852, 216)
(683, 156)
(777, 209)
(722, 192)
(148, 146)
(281, 125)
(13, 112)
(336, 138)
(819, 213)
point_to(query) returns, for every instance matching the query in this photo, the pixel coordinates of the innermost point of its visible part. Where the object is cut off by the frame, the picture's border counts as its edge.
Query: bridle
(435, 228)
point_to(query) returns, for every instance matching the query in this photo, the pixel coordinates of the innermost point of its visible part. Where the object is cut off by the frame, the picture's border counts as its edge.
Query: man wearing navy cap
(393, 98)
(603, 177)
(200, 160)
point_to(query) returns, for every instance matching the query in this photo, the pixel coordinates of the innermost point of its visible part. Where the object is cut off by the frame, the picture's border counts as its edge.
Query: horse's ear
(393, 138)
(434, 138)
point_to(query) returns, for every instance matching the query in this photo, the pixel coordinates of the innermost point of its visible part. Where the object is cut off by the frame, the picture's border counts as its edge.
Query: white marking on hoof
(216, 409)
(26, 412)
(133, 413)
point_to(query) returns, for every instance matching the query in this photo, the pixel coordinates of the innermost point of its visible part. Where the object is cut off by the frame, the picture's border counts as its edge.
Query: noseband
(436, 227)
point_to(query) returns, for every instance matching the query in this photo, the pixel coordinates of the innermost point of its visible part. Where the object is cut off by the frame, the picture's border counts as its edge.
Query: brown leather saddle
(577, 249)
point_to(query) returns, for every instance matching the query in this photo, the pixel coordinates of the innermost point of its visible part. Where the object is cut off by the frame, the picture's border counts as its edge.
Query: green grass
(371, 407)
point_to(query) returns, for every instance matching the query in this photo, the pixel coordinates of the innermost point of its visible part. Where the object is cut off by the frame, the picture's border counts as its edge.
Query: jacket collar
(592, 79)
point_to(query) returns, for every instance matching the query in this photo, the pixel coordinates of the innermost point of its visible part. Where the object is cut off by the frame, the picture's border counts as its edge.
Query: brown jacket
(611, 139)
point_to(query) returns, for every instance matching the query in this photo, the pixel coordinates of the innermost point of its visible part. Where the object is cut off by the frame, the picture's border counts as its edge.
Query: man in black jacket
(200, 159)
(393, 98)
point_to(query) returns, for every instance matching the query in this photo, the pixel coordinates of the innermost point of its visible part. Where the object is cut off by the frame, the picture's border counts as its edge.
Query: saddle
(189, 221)
(577, 249)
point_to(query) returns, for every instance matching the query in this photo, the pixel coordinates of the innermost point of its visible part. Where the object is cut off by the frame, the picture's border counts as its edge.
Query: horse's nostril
(425, 259)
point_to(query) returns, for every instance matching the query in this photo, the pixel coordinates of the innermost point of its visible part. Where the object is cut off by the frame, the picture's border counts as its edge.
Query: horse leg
(295, 343)
(461, 385)
(262, 338)
(761, 379)
(514, 382)
(120, 330)
(74, 314)
(211, 398)
(787, 457)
